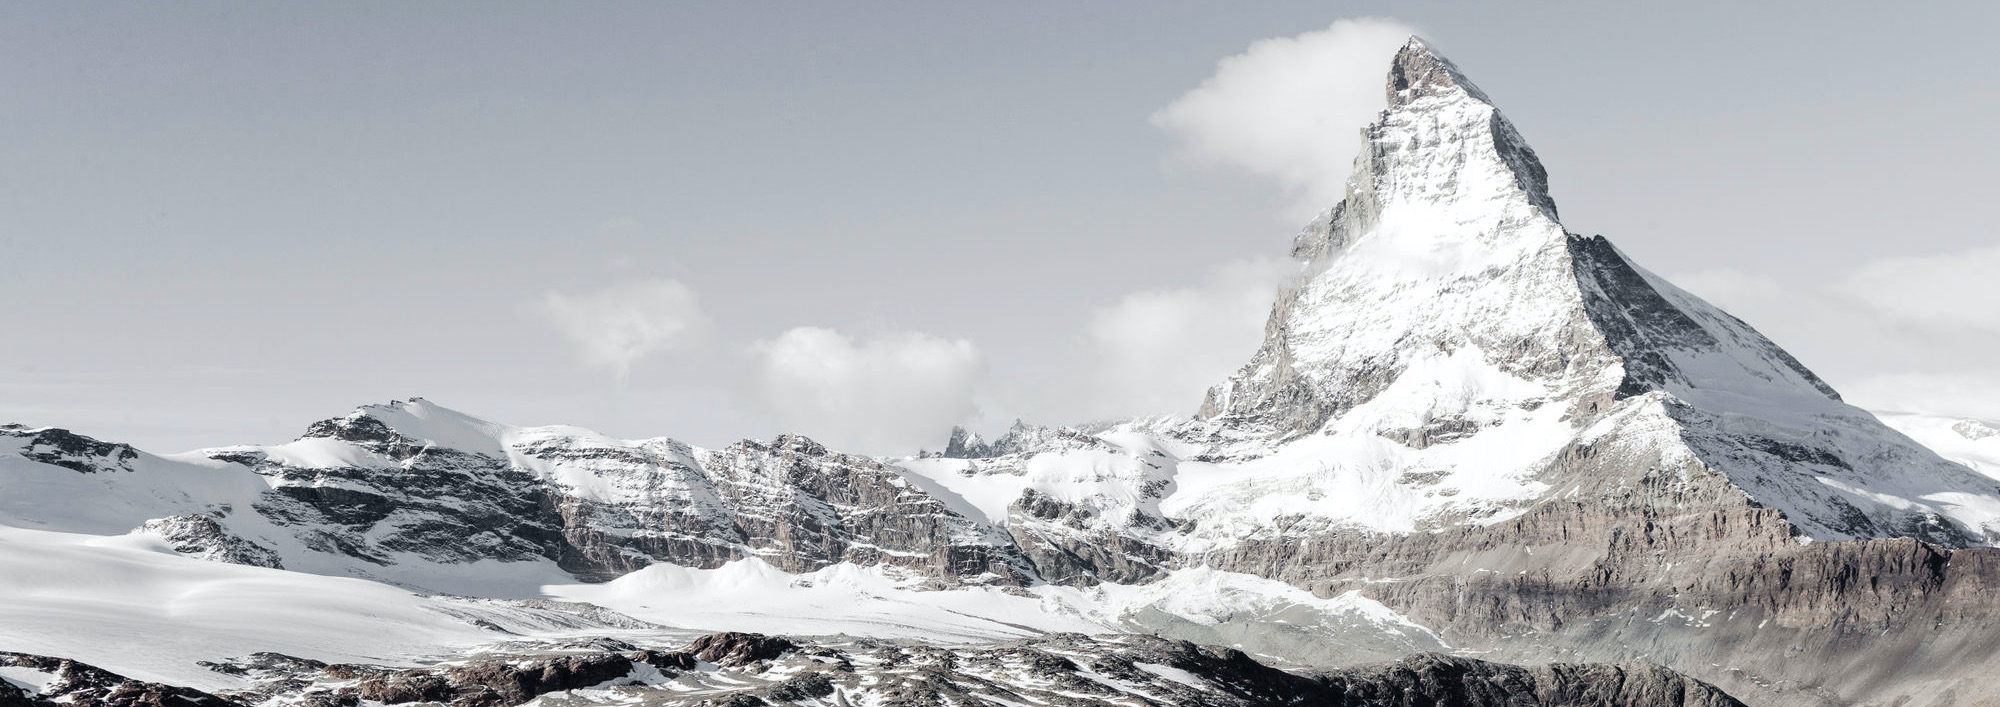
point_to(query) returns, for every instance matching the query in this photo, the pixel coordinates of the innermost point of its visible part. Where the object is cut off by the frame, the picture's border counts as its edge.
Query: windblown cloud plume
(1156, 351)
(1290, 108)
(893, 393)
(616, 326)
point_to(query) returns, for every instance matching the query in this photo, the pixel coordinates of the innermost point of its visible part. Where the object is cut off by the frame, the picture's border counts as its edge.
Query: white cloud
(1157, 351)
(1957, 290)
(1291, 108)
(1914, 334)
(890, 394)
(620, 324)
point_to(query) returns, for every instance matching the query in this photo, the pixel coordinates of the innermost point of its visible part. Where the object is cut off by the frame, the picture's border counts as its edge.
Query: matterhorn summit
(1445, 304)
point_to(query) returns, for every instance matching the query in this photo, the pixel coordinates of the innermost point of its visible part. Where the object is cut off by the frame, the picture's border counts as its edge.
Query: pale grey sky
(223, 221)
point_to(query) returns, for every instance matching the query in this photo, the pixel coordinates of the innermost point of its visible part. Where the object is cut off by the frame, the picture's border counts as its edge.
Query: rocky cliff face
(600, 508)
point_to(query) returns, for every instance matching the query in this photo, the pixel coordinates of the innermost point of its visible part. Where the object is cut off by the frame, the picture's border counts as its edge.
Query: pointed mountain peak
(965, 444)
(1419, 71)
(1441, 151)
(1433, 110)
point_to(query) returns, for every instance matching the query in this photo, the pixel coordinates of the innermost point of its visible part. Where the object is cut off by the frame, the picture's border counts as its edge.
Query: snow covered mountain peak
(1445, 141)
(1445, 242)
(1450, 345)
(408, 426)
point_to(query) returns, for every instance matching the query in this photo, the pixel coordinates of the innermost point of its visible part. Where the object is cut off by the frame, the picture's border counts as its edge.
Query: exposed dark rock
(1642, 326)
(1429, 679)
(498, 683)
(81, 685)
(965, 445)
(330, 698)
(735, 649)
(63, 448)
(1067, 547)
(200, 535)
(802, 688)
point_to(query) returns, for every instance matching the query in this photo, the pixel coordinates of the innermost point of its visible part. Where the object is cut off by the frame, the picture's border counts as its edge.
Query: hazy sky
(219, 222)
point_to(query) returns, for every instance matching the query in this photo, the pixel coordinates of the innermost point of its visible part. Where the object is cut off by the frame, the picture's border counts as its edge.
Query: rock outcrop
(67, 682)
(1431, 679)
(66, 449)
(204, 536)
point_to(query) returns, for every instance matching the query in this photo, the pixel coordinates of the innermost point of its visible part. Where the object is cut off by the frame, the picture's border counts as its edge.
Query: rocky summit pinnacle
(1417, 71)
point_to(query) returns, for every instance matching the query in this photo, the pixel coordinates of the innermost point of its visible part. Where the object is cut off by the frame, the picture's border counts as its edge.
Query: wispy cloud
(1959, 290)
(893, 393)
(614, 327)
(1156, 351)
(1290, 108)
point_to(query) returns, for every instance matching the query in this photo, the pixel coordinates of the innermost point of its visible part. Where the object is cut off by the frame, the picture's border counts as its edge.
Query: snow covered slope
(130, 604)
(1974, 443)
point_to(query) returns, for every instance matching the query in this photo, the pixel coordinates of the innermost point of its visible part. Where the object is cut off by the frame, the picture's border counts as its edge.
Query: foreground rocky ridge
(744, 670)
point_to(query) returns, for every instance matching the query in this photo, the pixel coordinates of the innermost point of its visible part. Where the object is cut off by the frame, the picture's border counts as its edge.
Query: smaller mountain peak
(1419, 71)
(60, 447)
(415, 423)
(414, 405)
(965, 444)
(797, 444)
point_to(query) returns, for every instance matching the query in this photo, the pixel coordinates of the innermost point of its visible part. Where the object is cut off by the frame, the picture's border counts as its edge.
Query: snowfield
(132, 605)
(1974, 443)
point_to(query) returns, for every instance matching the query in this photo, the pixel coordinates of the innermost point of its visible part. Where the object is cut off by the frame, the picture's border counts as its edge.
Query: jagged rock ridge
(412, 484)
